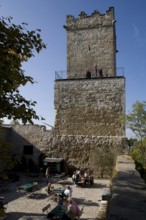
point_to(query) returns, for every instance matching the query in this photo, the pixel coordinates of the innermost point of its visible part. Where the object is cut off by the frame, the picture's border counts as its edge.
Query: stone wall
(34, 135)
(90, 107)
(91, 41)
(4, 133)
(80, 151)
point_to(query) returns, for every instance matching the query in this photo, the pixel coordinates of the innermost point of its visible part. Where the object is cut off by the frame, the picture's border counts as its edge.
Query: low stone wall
(28, 135)
(35, 135)
(79, 151)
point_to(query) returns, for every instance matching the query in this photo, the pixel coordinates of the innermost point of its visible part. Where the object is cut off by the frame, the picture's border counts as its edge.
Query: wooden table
(57, 191)
(29, 187)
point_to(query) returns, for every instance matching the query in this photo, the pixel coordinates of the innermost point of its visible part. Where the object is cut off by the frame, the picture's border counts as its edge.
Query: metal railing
(62, 74)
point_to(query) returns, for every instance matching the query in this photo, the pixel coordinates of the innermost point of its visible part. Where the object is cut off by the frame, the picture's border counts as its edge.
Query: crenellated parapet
(95, 20)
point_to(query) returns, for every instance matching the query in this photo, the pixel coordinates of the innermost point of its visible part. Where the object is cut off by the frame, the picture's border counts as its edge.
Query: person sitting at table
(71, 210)
(49, 188)
(67, 192)
(78, 211)
(81, 182)
(55, 198)
(86, 176)
(47, 173)
(78, 176)
(74, 177)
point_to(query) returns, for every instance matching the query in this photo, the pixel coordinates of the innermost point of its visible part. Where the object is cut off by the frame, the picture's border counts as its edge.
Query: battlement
(93, 21)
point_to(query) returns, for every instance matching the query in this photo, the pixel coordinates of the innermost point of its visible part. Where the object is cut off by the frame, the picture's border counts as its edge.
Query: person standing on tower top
(96, 70)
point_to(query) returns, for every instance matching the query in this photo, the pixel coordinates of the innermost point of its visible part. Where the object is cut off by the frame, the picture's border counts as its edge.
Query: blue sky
(50, 16)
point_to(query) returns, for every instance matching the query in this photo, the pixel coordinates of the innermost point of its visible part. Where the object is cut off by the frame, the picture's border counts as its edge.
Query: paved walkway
(128, 200)
(24, 207)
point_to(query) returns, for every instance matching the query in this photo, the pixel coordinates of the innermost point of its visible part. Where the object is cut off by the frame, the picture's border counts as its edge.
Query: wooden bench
(45, 209)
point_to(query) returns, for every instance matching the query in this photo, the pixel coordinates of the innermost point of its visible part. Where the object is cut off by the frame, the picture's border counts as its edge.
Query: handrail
(62, 74)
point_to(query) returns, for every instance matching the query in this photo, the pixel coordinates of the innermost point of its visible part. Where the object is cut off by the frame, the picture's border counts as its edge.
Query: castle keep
(90, 101)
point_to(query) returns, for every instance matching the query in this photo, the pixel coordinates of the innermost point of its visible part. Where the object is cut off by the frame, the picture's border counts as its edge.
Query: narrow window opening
(28, 149)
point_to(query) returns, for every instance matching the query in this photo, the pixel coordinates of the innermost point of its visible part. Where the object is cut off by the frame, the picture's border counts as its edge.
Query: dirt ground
(29, 206)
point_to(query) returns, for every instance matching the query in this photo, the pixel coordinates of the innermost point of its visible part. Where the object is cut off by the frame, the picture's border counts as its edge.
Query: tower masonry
(89, 103)
(91, 44)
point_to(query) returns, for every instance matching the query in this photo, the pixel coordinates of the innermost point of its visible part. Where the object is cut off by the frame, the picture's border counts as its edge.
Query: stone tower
(90, 101)
(91, 42)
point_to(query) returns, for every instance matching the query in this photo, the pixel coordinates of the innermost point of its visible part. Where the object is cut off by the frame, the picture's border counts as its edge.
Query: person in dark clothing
(88, 75)
(100, 73)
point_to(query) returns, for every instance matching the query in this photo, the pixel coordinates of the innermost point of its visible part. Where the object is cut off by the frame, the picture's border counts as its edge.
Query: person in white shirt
(68, 192)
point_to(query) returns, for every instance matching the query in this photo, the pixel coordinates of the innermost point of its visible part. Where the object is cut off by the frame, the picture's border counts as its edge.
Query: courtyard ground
(25, 207)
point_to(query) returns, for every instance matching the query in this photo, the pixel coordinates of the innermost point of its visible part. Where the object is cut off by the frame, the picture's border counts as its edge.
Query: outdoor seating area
(50, 206)
(28, 187)
(83, 179)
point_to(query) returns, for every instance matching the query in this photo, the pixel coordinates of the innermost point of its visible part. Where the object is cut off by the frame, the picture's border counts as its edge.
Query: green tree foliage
(136, 121)
(138, 153)
(17, 45)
